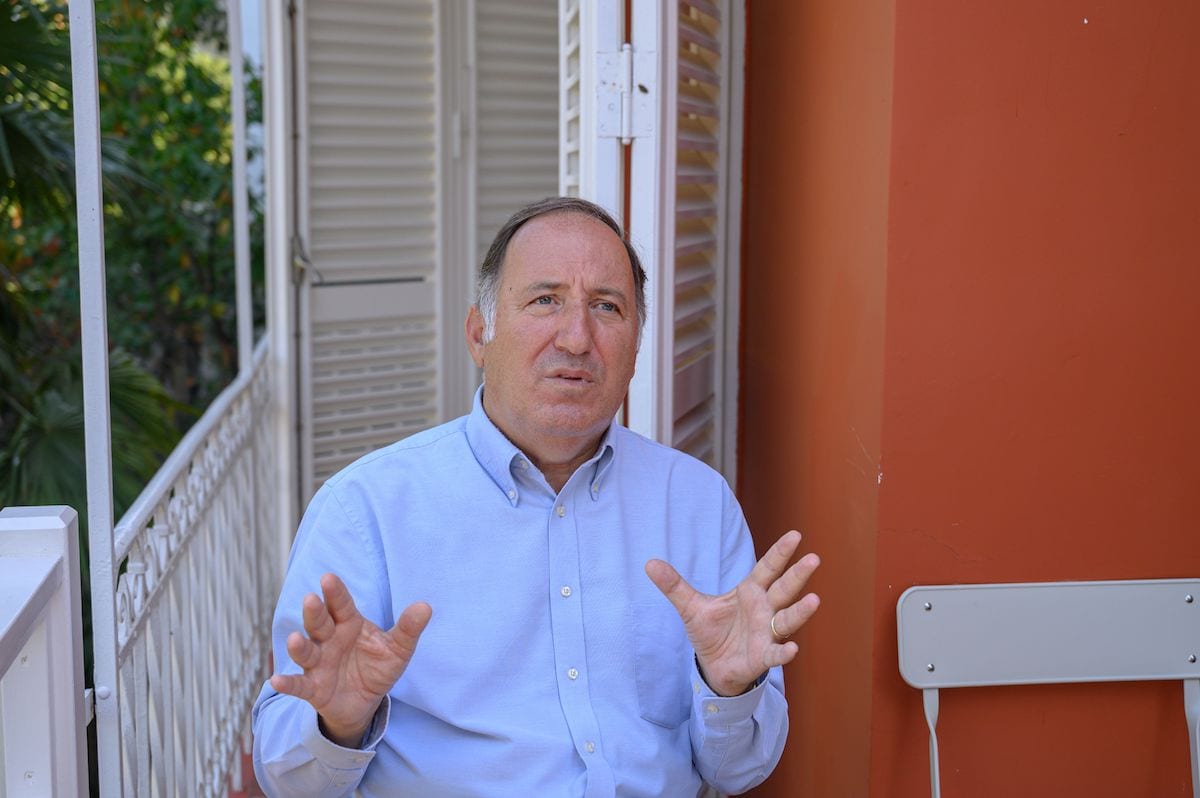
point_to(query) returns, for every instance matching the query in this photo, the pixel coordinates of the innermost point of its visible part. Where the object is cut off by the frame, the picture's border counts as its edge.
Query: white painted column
(89, 201)
(43, 747)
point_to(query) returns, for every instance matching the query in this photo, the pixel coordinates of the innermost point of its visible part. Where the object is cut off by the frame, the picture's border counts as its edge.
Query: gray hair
(487, 288)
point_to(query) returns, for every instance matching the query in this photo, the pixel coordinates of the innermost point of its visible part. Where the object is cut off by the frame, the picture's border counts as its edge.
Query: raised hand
(349, 663)
(737, 636)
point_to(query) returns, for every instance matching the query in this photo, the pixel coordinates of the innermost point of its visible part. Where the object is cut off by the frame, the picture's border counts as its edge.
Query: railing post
(89, 211)
(241, 199)
(43, 749)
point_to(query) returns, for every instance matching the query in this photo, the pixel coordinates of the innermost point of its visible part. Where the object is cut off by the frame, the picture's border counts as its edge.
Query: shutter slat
(703, 6)
(694, 209)
(691, 33)
(517, 109)
(693, 175)
(371, 107)
(696, 141)
(691, 244)
(698, 315)
(699, 73)
(698, 107)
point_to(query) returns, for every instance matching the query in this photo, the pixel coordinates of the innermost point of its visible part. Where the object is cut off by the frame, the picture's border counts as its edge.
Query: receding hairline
(560, 216)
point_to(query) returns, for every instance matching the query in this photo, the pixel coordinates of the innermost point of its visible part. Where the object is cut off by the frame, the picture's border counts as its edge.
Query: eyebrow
(550, 285)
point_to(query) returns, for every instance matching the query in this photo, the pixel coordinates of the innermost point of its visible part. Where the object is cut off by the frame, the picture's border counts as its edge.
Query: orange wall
(815, 247)
(1021, 192)
(1042, 363)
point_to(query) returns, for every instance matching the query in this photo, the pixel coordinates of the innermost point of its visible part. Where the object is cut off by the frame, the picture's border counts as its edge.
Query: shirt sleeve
(291, 755)
(737, 740)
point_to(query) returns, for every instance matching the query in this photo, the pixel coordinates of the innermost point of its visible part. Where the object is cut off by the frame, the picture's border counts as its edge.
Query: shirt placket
(570, 650)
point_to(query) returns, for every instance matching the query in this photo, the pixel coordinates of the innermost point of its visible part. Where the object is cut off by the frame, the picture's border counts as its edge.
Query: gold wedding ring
(775, 632)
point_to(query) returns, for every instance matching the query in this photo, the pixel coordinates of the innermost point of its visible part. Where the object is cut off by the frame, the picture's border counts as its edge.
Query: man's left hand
(737, 636)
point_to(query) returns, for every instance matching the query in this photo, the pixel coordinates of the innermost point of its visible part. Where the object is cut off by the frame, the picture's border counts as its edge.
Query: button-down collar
(502, 459)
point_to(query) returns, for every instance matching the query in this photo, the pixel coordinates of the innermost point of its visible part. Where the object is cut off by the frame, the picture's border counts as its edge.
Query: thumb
(673, 586)
(409, 626)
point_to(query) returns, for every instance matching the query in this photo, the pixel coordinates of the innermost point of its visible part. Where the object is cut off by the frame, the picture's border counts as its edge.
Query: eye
(545, 299)
(608, 307)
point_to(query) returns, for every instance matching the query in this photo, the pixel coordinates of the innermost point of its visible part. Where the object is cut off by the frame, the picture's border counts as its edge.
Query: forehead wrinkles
(563, 247)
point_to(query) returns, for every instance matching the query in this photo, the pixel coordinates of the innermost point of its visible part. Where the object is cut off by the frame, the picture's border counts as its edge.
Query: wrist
(726, 688)
(347, 735)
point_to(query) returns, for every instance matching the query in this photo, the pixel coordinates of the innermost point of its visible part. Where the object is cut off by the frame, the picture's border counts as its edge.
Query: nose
(575, 330)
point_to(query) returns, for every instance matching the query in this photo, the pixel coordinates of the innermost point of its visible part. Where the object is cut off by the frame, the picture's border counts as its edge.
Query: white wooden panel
(570, 78)
(370, 83)
(699, 259)
(371, 114)
(679, 218)
(374, 370)
(516, 106)
(590, 165)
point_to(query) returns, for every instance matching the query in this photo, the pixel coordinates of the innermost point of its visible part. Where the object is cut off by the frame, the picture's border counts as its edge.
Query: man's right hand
(349, 663)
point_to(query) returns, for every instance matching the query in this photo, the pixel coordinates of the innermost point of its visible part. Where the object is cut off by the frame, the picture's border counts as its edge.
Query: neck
(556, 471)
(556, 457)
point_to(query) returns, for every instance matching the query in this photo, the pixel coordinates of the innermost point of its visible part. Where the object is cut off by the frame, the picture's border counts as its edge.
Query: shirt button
(522, 464)
(562, 510)
(711, 709)
(512, 494)
(565, 590)
(591, 747)
(596, 487)
(573, 674)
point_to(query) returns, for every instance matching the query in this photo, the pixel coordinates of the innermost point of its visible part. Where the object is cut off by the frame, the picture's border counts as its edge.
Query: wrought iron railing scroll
(193, 601)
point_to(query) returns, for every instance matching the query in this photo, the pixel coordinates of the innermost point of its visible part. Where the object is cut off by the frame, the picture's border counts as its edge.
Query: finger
(303, 651)
(789, 620)
(338, 599)
(673, 586)
(788, 587)
(317, 622)
(773, 563)
(781, 654)
(408, 628)
(293, 684)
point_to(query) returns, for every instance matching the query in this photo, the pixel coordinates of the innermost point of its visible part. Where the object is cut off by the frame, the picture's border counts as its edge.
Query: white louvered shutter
(570, 101)
(678, 217)
(590, 164)
(699, 251)
(370, 115)
(516, 107)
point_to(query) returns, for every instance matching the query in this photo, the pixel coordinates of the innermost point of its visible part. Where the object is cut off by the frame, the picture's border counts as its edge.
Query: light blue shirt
(552, 665)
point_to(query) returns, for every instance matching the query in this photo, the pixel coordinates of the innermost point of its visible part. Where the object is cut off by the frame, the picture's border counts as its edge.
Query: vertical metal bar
(931, 718)
(241, 203)
(626, 93)
(281, 319)
(97, 431)
(1191, 708)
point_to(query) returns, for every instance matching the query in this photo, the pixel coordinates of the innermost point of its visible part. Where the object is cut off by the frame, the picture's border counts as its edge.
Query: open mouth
(572, 376)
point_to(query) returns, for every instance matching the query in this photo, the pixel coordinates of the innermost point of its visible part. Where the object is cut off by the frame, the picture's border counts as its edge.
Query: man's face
(566, 334)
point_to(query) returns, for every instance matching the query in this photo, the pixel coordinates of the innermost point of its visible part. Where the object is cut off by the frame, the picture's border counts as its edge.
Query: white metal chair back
(1051, 632)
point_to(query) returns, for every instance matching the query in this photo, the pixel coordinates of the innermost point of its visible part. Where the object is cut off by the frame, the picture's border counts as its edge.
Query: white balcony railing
(198, 563)
(42, 706)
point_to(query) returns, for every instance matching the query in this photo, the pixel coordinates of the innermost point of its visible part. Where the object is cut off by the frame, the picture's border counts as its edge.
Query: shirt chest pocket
(662, 659)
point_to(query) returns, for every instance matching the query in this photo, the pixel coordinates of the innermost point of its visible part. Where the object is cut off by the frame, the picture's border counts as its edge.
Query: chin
(573, 421)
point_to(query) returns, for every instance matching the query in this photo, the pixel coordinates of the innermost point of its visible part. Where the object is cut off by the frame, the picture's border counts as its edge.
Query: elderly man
(532, 600)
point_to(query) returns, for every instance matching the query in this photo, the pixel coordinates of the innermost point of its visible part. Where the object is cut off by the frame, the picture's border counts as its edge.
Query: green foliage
(164, 106)
(42, 454)
(36, 143)
(166, 166)
(41, 412)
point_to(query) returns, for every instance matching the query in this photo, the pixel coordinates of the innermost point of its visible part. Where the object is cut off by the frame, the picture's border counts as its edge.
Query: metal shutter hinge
(626, 82)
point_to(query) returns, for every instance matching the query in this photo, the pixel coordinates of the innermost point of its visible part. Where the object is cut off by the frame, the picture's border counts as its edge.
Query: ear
(473, 328)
